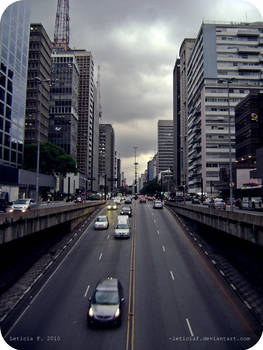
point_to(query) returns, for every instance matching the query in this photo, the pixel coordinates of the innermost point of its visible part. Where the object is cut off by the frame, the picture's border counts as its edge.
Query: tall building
(165, 145)
(38, 86)
(88, 118)
(225, 64)
(106, 156)
(184, 53)
(249, 129)
(14, 38)
(177, 162)
(63, 120)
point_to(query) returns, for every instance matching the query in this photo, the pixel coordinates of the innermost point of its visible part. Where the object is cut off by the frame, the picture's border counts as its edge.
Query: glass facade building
(14, 38)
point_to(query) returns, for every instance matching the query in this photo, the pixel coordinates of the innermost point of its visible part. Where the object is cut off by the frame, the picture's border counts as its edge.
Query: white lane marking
(87, 290)
(172, 275)
(233, 286)
(163, 248)
(222, 273)
(247, 304)
(100, 256)
(189, 327)
(158, 232)
(108, 237)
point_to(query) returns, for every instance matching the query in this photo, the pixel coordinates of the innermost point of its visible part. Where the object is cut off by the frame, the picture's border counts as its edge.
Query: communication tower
(61, 35)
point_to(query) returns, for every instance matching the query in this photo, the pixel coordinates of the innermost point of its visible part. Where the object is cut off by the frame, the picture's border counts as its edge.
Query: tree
(53, 159)
(151, 188)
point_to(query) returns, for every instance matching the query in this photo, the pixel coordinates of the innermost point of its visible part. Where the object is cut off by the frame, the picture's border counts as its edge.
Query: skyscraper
(38, 91)
(106, 156)
(165, 145)
(63, 121)
(88, 117)
(225, 64)
(14, 38)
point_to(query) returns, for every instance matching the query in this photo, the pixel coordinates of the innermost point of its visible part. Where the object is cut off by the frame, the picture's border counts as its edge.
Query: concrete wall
(240, 224)
(18, 225)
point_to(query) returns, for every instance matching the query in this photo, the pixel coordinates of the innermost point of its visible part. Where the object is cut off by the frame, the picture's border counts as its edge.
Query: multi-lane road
(174, 298)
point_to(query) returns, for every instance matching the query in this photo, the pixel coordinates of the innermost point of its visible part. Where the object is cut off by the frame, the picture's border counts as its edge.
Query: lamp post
(231, 185)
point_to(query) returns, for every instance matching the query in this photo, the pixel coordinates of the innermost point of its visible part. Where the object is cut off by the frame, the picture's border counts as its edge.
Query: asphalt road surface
(174, 299)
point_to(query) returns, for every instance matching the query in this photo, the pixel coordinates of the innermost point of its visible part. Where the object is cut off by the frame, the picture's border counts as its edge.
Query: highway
(174, 299)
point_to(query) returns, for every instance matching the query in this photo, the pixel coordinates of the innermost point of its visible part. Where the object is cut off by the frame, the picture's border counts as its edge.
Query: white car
(22, 204)
(158, 204)
(101, 223)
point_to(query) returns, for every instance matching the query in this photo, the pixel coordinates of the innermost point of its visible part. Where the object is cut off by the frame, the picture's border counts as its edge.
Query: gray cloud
(136, 44)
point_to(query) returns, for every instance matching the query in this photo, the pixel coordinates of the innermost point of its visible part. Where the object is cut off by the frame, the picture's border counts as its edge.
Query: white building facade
(225, 65)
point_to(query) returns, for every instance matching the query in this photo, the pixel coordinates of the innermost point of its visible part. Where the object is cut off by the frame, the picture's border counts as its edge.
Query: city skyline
(136, 49)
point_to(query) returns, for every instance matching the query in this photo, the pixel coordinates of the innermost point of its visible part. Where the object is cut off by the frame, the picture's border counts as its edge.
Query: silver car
(22, 204)
(101, 223)
(105, 305)
(158, 204)
(217, 203)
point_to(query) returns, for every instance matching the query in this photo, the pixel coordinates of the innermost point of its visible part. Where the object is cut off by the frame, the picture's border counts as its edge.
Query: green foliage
(53, 159)
(151, 188)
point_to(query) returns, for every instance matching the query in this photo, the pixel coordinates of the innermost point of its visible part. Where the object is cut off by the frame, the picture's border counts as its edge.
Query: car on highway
(22, 204)
(101, 223)
(196, 200)
(122, 229)
(112, 206)
(105, 304)
(127, 210)
(217, 203)
(157, 204)
(128, 200)
(78, 200)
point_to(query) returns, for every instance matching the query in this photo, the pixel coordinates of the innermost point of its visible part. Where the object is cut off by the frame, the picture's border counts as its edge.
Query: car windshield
(102, 219)
(122, 226)
(126, 208)
(21, 201)
(106, 297)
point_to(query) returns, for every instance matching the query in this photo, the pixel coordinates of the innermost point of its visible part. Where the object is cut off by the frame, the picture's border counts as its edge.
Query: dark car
(105, 305)
(196, 200)
(128, 201)
(126, 211)
(142, 200)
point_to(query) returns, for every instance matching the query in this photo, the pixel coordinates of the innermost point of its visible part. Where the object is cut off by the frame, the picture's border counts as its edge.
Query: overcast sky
(136, 44)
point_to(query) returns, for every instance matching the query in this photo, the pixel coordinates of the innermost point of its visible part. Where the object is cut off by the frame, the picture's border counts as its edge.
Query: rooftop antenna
(61, 34)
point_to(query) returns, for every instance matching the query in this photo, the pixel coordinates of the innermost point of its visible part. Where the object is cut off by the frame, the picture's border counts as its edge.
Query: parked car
(22, 204)
(101, 222)
(105, 304)
(126, 211)
(217, 203)
(158, 204)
